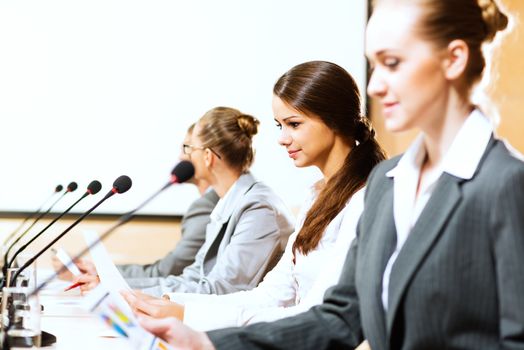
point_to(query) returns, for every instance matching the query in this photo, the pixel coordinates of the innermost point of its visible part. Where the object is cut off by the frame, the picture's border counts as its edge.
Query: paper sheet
(65, 259)
(107, 271)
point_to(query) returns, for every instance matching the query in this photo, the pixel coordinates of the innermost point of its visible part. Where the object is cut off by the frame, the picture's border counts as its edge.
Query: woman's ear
(456, 60)
(209, 157)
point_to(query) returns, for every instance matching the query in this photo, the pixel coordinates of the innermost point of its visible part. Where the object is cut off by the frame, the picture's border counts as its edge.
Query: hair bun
(494, 19)
(248, 124)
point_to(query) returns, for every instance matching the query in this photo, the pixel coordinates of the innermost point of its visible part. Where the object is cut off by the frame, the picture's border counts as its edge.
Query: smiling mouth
(389, 106)
(293, 154)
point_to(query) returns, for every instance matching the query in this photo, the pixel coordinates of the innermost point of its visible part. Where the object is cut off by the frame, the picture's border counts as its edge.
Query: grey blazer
(193, 235)
(458, 281)
(242, 244)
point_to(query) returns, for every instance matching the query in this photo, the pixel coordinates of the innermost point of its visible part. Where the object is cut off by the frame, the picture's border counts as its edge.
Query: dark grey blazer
(458, 281)
(193, 230)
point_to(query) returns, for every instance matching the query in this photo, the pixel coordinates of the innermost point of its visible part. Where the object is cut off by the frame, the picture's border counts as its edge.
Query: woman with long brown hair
(317, 106)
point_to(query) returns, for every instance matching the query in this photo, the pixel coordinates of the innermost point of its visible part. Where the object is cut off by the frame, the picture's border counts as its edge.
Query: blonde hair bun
(494, 19)
(248, 124)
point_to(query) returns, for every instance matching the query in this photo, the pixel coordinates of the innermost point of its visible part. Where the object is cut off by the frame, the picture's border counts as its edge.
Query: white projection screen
(96, 89)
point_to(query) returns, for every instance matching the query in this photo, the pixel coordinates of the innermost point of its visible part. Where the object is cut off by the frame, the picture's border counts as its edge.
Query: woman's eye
(279, 126)
(294, 125)
(391, 62)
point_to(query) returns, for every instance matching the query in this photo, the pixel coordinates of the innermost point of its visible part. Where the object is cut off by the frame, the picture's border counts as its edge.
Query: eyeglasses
(188, 149)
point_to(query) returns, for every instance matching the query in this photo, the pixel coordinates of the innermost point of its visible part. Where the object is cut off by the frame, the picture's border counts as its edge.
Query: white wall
(96, 89)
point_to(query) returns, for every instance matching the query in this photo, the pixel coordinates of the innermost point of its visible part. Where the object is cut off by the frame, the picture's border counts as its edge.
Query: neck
(202, 186)
(335, 159)
(439, 135)
(223, 180)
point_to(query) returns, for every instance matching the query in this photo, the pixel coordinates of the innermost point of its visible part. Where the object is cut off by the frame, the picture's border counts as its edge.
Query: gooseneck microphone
(93, 188)
(70, 188)
(182, 172)
(58, 188)
(122, 184)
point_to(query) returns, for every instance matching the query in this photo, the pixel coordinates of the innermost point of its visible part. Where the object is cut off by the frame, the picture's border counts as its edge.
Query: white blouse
(289, 288)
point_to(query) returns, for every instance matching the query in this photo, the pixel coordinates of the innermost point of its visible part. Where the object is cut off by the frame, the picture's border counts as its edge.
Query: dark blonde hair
(475, 21)
(327, 91)
(229, 133)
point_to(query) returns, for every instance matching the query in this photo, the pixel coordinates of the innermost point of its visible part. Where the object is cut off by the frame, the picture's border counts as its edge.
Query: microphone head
(72, 187)
(122, 184)
(59, 188)
(183, 171)
(94, 187)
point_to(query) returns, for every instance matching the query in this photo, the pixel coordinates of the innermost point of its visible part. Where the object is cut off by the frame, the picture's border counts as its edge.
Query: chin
(393, 125)
(300, 164)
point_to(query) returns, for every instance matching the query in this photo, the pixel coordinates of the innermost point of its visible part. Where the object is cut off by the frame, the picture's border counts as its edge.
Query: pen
(74, 285)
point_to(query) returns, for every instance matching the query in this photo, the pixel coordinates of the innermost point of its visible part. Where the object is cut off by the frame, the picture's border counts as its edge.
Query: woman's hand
(176, 333)
(143, 304)
(85, 267)
(89, 277)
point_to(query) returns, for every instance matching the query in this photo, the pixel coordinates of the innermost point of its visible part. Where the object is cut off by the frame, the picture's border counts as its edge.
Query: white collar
(463, 156)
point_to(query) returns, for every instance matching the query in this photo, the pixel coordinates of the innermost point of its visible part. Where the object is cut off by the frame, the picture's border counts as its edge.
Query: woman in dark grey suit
(440, 249)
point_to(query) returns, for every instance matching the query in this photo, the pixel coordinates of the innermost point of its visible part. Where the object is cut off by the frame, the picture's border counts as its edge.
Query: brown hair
(474, 21)
(327, 91)
(229, 133)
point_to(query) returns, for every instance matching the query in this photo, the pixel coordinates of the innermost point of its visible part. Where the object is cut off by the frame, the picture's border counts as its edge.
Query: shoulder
(203, 205)
(378, 178)
(502, 161)
(256, 195)
(257, 191)
(501, 171)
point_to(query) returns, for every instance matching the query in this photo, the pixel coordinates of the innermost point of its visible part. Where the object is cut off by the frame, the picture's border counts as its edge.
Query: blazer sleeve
(508, 235)
(193, 229)
(332, 325)
(256, 238)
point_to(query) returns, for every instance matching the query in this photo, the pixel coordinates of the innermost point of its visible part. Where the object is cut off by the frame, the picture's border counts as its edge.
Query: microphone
(93, 188)
(182, 172)
(70, 188)
(58, 188)
(122, 184)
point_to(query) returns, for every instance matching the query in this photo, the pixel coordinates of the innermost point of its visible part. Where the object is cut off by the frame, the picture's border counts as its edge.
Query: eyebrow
(286, 118)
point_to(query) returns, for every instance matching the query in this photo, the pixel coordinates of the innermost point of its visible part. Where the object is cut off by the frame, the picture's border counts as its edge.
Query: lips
(293, 154)
(389, 106)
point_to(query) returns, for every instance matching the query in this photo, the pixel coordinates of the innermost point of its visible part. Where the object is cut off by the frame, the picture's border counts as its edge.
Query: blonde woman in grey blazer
(437, 263)
(247, 234)
(249, 226)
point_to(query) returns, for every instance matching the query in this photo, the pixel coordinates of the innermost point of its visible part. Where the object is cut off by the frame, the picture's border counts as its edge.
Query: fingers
(88, 281)
(143, 306)
(57, 266)
(159, 327)
(176, 333)
(86, 266)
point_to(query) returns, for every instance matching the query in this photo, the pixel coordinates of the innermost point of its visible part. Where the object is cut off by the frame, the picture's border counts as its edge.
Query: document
(107, 271)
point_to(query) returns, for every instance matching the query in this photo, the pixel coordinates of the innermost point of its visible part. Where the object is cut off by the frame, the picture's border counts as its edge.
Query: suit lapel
(222, 217)
(375, 252)
(424, 233)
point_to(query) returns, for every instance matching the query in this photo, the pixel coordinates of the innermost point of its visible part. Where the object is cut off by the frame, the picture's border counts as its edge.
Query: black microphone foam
(182, 172)
(122, 184)
(72, 187)
(87, 193)
(59, 188)
(94, 187)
